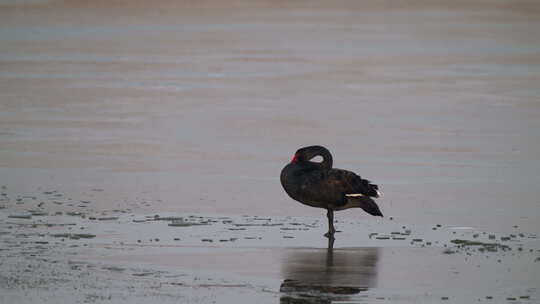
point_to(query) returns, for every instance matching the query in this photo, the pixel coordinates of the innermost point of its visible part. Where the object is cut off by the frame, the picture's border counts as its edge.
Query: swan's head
(307, 153)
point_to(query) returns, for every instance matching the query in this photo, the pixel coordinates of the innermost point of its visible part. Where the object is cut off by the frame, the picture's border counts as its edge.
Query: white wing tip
(379, 194)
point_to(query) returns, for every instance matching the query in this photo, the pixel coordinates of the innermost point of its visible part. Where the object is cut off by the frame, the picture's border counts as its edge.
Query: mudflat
(141, 145)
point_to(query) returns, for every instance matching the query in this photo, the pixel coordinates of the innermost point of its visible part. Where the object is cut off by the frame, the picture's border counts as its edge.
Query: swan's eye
(294, 158)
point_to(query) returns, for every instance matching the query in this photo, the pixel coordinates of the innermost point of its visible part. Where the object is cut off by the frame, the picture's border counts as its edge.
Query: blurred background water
(197, 105)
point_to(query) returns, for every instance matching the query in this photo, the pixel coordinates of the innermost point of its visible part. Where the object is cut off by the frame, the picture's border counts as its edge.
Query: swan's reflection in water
(326, 275)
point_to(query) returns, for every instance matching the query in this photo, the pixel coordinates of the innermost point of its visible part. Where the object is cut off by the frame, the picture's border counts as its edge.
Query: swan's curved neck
(327, 161)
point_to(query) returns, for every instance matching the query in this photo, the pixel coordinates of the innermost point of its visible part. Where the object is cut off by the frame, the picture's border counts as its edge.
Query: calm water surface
(200, 105)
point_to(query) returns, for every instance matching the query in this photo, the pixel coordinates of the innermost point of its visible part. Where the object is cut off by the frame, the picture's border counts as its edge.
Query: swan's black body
(320, 185)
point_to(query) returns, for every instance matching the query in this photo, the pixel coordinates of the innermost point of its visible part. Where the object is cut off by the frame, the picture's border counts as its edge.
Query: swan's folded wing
(336, 185)
(352, 184)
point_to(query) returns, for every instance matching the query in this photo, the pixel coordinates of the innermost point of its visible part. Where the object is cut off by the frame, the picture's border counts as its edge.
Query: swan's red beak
(294, 159)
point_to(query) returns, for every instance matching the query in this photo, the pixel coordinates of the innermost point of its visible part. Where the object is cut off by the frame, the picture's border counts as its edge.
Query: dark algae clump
(483, 246)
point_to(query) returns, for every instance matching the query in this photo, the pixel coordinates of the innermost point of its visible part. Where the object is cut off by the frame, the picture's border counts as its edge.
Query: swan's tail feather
(366, 203)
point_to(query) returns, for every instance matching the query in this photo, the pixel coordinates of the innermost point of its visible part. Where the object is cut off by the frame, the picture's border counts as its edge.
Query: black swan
(319, 185)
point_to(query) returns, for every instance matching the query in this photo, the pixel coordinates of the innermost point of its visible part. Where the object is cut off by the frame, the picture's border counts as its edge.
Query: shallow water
(268, 259)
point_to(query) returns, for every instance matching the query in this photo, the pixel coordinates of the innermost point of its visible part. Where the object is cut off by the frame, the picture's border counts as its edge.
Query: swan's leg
(331, 230)
(330, 245)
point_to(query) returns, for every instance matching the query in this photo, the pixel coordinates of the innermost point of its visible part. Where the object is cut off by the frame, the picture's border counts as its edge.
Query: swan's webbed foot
(329, 234)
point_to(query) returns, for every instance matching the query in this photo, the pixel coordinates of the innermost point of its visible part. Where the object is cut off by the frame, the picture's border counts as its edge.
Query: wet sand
(121, 109)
